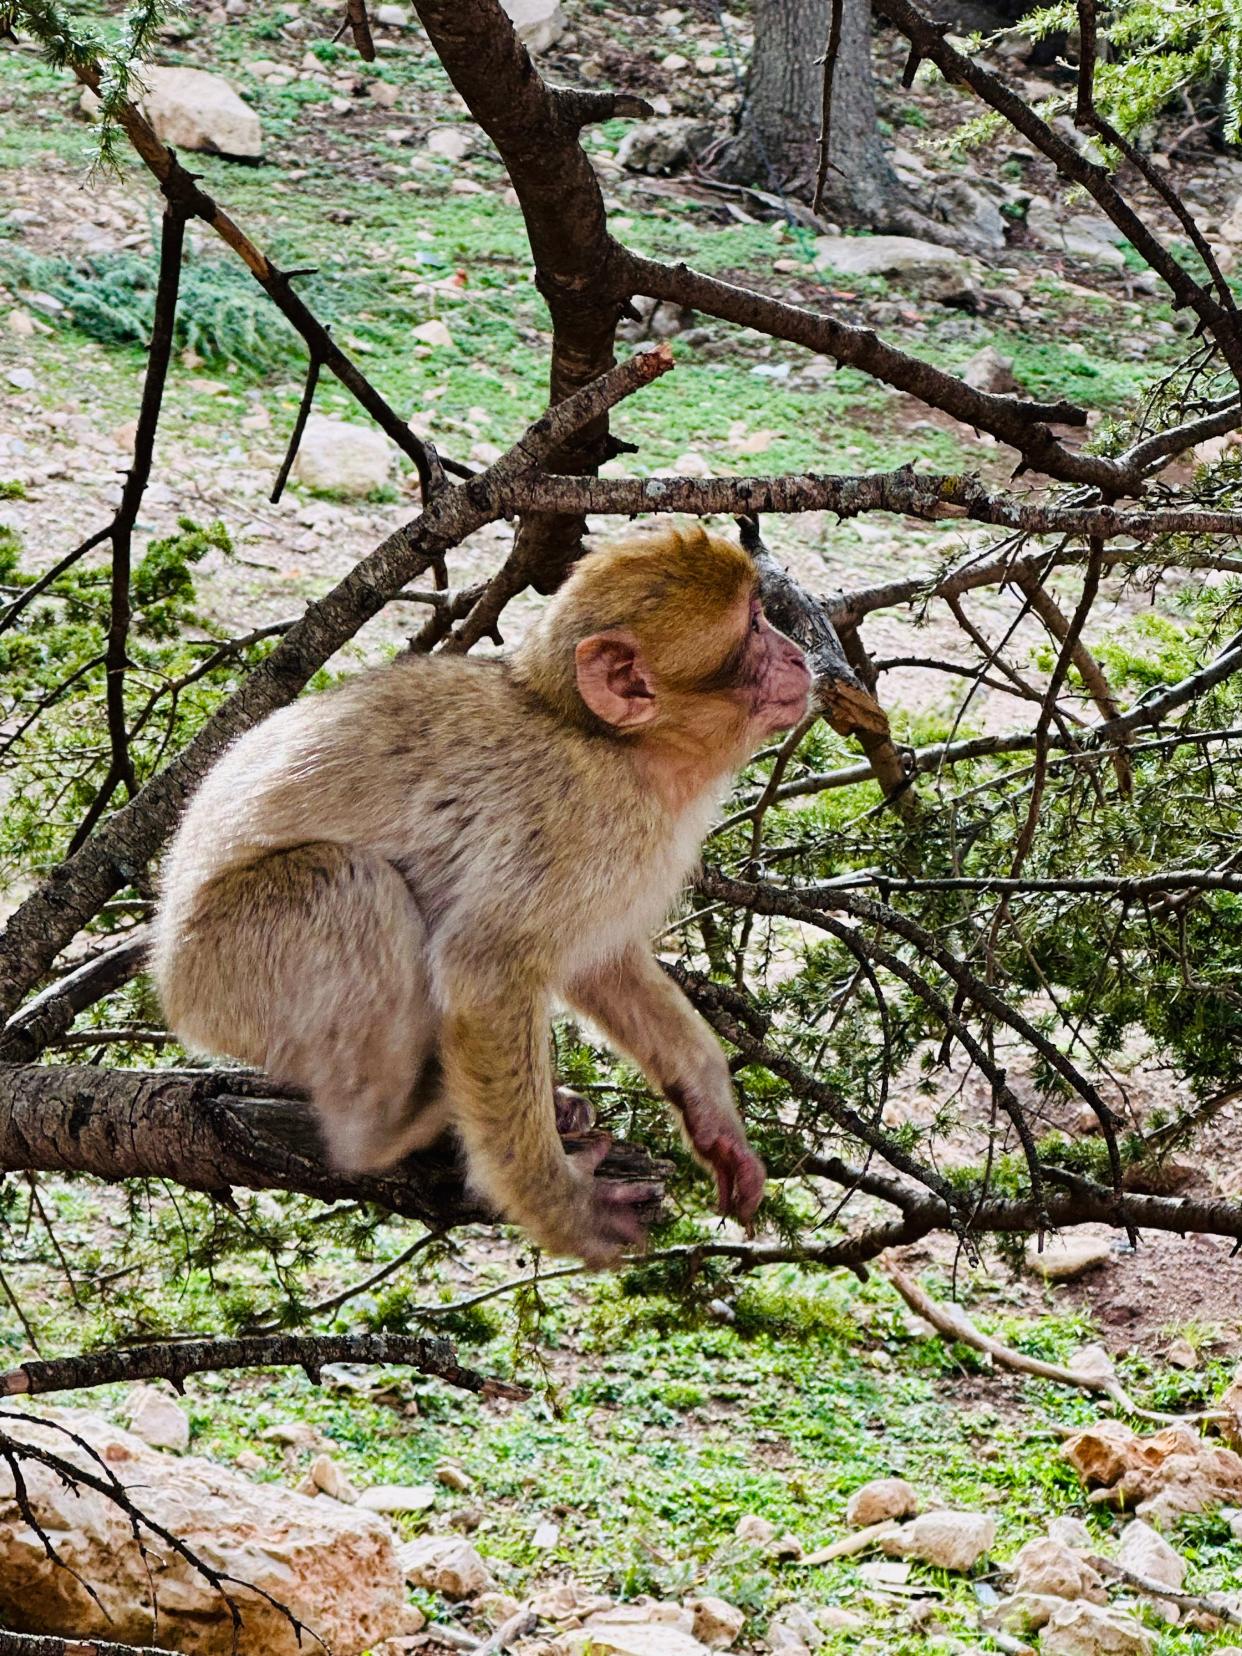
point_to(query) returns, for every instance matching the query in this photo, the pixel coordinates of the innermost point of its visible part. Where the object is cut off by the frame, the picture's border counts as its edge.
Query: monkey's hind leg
(319, 956)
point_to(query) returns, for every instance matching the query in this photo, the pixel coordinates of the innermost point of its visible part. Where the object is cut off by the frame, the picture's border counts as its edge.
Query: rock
(656, 319)
(755, 1529)
(324, 1476)
(1159, 1478)
(833, 1619)
(22, 379)
(392, 17)
(158, 1421)
(445, 1564)
(334, 1568)
(1148, 1554)
(1023, 1613)
(20, 322)
(979, 221)
(546, 1534)
(451, 1476)
(886, 256)
(434, 333)
(880, 1499)
(664, 146)
(793, 1627)
(716, 1622)
(1090, 1630)
(454, 143)
(608, 1637)
(1066, 1257)
(398, 1497)
(1082, 235)
(1046, 1567)
(539, 24)
(194, 110)
(988, 370)
(348, 459)
(1183, 1355)
(951, 1540)
(1073, 1533)
(384, 93)
(291, 1434)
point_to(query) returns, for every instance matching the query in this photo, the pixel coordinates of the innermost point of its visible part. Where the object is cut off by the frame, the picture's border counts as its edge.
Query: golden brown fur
(377, 893)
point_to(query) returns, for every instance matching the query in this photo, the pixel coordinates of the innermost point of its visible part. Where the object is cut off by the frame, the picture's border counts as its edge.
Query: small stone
(325, 1477)
(192, 109)
(538, 24)
(446, 1565)
(158, 1421)
(392, 17)
(834, 1619)
(434, 333)
(794, 1626)
(1071, 1532)
(1144, 1551)
(344, 458)
(755, 1529)
(950, 1540)
(717, 1623)
(21, 379)
(879, 1500)
(451, 1476)
(246, 1460)
(624, 1638)
(1091, 1630)
(454, 143)
(19, 322)
(292, 1434)
(664, 146)
(988, 370)
(1065, 1258)
(384, 93)
(1183, 1355)
(674, 63)
(546, 1535)
(398, 1497)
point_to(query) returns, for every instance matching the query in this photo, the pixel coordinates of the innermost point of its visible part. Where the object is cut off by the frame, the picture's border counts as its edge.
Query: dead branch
(49, 1644)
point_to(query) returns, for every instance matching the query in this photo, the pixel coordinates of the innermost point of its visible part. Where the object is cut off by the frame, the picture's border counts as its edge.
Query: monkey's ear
(613, 679)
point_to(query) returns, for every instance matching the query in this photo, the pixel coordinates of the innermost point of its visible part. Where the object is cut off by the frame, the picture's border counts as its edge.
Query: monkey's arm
(646, 1016)
(498, 1086)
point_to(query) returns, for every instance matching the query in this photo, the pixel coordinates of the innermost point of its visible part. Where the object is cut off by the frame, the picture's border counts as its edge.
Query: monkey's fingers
(740, 1178)
(617, 1216)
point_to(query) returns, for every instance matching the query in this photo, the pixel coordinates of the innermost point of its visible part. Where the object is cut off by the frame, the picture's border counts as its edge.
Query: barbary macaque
(378, 892)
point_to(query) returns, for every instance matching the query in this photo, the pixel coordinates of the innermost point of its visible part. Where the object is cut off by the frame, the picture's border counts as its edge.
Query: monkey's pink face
(774, 680)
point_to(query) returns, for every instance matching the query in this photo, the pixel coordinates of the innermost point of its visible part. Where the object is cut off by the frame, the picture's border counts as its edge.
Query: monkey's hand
(574, 1114)
(718, 1139)
(604, 1219)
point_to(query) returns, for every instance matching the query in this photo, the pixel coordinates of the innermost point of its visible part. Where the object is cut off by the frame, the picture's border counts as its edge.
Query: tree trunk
(778, 144)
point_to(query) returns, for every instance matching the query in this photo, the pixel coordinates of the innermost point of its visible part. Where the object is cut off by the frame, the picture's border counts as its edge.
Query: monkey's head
(661, 637)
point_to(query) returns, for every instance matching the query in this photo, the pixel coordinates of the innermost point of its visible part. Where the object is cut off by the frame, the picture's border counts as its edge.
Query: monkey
(379, 891)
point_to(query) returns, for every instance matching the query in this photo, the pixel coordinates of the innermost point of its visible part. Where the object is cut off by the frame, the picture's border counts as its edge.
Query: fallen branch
(1212, 1604)
(50, 1644)
(952, 1324)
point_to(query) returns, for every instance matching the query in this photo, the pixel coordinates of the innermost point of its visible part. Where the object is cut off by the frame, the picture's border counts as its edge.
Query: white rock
(433, 332)
(833, 1619)
(158, 1421)
(952, 1540)
(398, 1497)
(335, 1568)
(22, 379)
(1146, 1552)
(717, 1623)
(537, 23)
(20, 322)
(612, 1638)
(446, 1564)
(454, 143)
(1082, 235)
(392, 17)
(191, 109)
(880, 1499)
(1091, 1630)
(349, 459)
(1066, 1257)
(886, 256)
(1045, 1566)
(1182, 1354)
